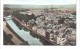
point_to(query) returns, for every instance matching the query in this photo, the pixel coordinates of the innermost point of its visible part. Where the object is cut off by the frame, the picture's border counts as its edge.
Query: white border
(43, 47)
(1, 23)
(78, 23)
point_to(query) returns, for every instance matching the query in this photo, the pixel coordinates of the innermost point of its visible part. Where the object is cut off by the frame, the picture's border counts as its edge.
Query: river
(25, 34)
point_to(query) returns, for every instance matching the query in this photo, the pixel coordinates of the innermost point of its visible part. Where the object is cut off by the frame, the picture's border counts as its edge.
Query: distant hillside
(72, 6)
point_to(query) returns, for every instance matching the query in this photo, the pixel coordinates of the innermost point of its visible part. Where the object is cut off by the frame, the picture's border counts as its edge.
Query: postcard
(39, 22)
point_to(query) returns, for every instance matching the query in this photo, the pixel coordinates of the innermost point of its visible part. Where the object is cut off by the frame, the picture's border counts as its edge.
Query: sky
(40, 2)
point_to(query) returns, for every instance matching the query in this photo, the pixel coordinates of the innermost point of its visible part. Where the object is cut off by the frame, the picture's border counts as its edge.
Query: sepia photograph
(40, 24)
(53, 25)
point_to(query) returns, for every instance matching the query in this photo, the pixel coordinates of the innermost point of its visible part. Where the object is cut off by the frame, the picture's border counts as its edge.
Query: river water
(25, 34)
